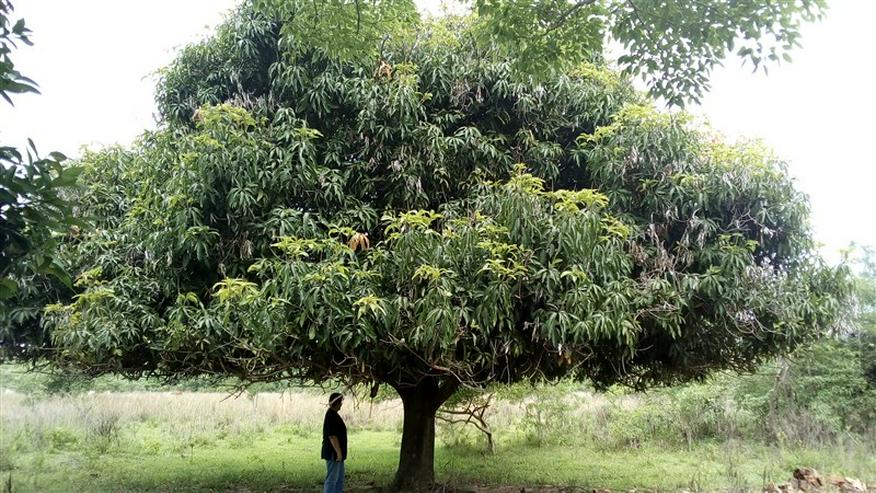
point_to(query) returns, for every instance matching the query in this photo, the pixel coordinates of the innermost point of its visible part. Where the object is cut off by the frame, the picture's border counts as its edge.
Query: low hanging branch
(471, 412)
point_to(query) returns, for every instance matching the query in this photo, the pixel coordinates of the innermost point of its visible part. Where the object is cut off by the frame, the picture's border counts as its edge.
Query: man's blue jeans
(334, 477)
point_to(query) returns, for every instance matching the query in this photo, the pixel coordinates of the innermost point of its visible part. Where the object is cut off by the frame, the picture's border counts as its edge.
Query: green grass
(279, 460)
(705, 467)
(270, 462)
(169, 441)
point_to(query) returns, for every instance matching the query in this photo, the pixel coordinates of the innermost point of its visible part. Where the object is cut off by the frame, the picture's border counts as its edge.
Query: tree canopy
(429, 220)
(673, 46)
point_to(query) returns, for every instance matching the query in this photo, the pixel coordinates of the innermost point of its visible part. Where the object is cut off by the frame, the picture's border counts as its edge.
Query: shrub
(62, 438)
(102, 431)
(549, 416)
(6, 463)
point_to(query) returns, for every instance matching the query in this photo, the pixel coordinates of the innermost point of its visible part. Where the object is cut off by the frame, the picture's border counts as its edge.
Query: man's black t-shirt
(333, 425)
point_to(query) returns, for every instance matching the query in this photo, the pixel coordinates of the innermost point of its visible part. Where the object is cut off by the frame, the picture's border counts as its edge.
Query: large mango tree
(427, 219)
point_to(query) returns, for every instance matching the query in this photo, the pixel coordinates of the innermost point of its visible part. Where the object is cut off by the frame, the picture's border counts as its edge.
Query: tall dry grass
(180, 420)
(99, 418)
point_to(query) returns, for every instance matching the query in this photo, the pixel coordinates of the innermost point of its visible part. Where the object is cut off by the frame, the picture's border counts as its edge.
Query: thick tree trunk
(416, 464)
(417, 455)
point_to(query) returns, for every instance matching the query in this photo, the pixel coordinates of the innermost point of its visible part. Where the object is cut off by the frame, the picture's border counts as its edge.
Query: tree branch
(474, 415)
(558, 23)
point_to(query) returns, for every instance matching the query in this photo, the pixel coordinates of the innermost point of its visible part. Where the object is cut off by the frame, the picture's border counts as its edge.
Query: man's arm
(337, 446)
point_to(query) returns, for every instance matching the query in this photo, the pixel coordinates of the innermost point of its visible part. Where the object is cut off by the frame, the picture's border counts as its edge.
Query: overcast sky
(95, 62)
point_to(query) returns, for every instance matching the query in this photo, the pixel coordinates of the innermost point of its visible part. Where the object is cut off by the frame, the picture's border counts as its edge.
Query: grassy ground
(274, 461)
(281, 461)
(148, 441)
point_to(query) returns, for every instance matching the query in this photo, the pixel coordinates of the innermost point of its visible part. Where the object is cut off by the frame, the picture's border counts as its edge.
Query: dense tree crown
(415, 210)
(430, 216)
(672, 45)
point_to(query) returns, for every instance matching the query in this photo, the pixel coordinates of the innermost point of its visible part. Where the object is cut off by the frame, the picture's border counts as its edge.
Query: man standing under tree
(334, 445)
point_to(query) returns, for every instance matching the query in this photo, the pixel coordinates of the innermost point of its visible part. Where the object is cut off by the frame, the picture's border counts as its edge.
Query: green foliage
(34, 214)
(40, 384)
(829, 384)
(674, 46)
(11, 80)
(865, 326)
(345, 29)
(682, 417)
(427, 219)
(825, 382)
(32, 211)
(550, 418)
(817, 396)
(234, 61)
(544, 35)
(629, 248)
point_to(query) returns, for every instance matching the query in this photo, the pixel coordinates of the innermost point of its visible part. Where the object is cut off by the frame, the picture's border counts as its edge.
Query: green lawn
(282, 461)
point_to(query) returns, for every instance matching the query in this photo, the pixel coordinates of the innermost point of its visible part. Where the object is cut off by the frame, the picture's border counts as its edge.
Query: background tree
(864, 331)
(303, 216)
(33, 210)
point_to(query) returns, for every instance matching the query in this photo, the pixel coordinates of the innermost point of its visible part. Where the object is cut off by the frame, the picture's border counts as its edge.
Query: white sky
(95, 60)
